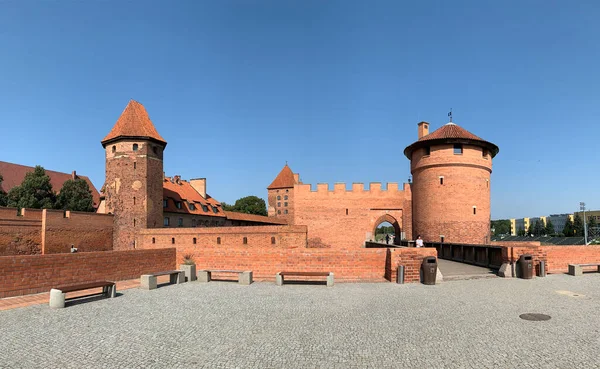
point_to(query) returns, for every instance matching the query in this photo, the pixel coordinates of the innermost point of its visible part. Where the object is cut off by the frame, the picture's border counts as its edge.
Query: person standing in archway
(387, 239)
(419, 241)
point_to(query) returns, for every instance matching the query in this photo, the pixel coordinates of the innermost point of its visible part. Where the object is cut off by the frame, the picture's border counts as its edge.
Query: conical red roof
(285, 179)
(134, 122)
(450, 133)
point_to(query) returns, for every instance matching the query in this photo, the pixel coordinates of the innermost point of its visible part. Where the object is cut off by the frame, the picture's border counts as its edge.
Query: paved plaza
(471, 323)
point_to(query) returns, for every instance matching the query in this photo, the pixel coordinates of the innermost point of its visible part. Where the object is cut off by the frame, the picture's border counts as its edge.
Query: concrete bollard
(400, 275)
(542, 268)
(57, 299)
(279, 279)
(330, 280)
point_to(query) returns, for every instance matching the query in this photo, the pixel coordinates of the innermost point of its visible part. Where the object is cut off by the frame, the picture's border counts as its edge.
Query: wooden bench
(57, 295)
(577, 269)
(279, 277)
(148, 281)
(244, 276)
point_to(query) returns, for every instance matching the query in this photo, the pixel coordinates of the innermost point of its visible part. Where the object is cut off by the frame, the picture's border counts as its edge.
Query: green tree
(591, 225)
(530, 230)
(521, 232)
(75, 195)
(568, 230)
(227, 207)
(501, 226)
(538, 229)
(578, 226)
(35, 191)
(3, 196)
(549, 227)
(248, 205)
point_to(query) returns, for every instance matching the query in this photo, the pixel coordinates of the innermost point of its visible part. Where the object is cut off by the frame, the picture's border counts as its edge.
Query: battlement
(357, 188)
(20, 214)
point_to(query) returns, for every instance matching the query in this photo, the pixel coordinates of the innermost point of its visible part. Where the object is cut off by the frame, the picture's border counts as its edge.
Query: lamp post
(585, 231)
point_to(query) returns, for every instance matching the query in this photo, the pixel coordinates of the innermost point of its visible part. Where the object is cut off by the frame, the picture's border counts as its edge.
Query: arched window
(153, 240)
(114, 148)
(194, 240)
(173, 240)
(135, 147)
(285, 197)
(272, 240)
(155, 149)
(245, 241)
(279, 197)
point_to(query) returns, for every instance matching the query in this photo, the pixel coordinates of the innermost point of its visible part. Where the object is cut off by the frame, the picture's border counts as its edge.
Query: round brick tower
(451, 171)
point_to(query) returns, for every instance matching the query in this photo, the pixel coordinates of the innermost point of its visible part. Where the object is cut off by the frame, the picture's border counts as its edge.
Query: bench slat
(223, 271)
(85, 286)
(165, 273)
(306, 274)
(587, 265)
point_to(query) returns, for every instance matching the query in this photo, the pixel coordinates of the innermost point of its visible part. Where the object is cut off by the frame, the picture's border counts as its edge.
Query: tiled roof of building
(449, 133)
(176, 191)
(285, 179)
(134, 122)
(14, 174)
(232, 215)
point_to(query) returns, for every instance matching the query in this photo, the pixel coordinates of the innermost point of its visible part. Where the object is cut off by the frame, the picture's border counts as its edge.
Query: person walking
(419, 241)
(387, 239)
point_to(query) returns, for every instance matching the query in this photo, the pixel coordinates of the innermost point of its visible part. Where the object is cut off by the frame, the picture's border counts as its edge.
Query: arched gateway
(389, 219)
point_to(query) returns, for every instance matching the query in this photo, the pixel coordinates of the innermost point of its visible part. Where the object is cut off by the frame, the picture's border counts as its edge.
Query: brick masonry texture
(133, 188)
(343, 218)
(285, 237)
(411, 258)
(559, 257)
(86, 231)
(22, 275)
(20, 235)
(53, 231)
(447, 209)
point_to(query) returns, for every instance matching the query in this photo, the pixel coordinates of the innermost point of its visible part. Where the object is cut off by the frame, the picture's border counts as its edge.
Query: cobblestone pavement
(472, 324)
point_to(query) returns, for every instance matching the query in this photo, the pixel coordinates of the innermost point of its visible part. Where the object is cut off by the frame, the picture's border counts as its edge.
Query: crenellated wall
(341, 218)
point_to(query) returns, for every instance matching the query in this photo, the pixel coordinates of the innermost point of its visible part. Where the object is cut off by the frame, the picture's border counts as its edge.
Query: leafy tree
(538, 229)
(568, 230)
(248, 205)
(521, 232)
(549, 227)
(75, 195)
(35, 191)
(501, 226)
(3, 196)
(578, 226)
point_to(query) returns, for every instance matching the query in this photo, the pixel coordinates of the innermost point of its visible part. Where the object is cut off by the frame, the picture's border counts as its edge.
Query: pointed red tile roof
(285, 179)
(449, 133)
(134, 122)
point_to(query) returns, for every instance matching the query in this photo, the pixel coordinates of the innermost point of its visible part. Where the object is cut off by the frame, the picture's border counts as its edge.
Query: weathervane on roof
(450, 115)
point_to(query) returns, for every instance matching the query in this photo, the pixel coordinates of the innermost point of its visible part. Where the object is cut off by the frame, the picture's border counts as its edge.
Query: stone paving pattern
(467, 324)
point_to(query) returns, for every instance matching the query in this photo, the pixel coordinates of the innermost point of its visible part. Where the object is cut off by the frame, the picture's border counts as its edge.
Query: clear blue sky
(336, 88)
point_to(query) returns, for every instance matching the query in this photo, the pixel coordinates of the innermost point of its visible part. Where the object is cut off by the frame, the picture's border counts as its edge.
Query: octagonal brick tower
(451, 171)
(134, 175)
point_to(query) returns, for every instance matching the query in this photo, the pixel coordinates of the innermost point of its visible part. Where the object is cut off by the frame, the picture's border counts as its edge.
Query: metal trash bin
(429, 269)
(526, 266)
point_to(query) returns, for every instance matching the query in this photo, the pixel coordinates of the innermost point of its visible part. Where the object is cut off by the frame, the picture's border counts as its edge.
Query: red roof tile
(232, 215)
(449, 133)
(182, 191)
(14, 174)
(134, 122)
(285, 179)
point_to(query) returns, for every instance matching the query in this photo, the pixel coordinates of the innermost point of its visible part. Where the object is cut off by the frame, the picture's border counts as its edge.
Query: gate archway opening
(388, 226)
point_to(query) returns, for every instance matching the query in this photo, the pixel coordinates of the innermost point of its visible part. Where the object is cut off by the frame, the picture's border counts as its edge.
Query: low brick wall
(559, 257)
(86, 231)
(27, 274)
(411, 258)
(20, 231)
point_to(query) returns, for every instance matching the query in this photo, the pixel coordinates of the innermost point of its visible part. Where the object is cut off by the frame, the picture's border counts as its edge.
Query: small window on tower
(173, 240)
(218, 240)
(134, 200)
(272, 240)
(427, 150)
(155, 149)
(285, 211)
(194, 240)
(474, 210)
(458, 149)
(153, 240)
(484, 153)
(441, 239)
(287, 190)
(245, 241)
(285, 197)
(134, 222)
(114, 148)
(441, 180)
(135, 147)
(134, 165)
(346, 211)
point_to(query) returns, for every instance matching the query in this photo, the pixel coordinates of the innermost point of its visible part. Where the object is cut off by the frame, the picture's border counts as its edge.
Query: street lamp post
(585, 231)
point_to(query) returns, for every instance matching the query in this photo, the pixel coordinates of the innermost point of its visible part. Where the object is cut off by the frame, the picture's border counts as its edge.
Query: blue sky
(336, 88)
